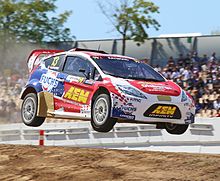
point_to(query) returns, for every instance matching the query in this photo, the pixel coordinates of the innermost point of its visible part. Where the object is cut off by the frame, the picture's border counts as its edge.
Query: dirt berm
(22, 163)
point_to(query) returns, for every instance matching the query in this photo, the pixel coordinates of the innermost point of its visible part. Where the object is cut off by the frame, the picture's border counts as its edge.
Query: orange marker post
(41, 138)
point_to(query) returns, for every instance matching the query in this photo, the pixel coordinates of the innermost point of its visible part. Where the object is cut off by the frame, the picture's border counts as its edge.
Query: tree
(28, 20)
(216, 31)
(131, 18)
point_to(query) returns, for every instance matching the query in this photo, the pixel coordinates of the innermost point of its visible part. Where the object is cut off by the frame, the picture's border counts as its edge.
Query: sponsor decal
(128, 109)
(85, 109)
(71, 78)
(123, 107)
(77, 94)
(81, 80)
(135, 100)
(190, 118)
(117, 112)
(163, 111)
(167, 110)
(186, 104)
(68, 101)
(48, 82)
(111, 58)
(127, 116)
(89, 82)
(155, 86)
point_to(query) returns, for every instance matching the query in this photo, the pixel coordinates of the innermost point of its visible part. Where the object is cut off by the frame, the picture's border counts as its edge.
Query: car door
(49, 78)
(77, 75)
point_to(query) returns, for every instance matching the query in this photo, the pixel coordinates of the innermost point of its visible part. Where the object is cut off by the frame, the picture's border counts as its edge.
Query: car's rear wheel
(176, 128)
(29, 111)
(101, 120)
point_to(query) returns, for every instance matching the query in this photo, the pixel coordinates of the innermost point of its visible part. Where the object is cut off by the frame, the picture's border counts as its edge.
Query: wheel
(176, 128)
(101, 120)
(29, 111)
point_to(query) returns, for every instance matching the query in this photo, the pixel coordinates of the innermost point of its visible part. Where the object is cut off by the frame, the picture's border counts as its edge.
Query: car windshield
(128, 69)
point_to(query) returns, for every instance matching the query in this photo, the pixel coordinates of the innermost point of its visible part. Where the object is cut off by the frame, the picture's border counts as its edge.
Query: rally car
(104, 88)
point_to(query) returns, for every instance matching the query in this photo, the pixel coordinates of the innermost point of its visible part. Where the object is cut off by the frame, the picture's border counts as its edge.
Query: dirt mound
(22, 163)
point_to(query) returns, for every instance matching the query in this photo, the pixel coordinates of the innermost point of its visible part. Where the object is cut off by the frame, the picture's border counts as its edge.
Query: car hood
(168, 88)
(159, 88)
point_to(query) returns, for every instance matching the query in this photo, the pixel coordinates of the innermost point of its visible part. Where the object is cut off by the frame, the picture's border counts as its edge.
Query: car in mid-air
(86, 84)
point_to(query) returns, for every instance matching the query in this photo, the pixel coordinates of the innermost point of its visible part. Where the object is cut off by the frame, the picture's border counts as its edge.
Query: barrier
(201, 137)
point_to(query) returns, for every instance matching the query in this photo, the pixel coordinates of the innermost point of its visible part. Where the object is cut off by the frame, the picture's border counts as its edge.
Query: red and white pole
(41, 138)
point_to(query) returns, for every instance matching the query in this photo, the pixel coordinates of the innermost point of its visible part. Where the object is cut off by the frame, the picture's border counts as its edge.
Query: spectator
(200, 83)
(3, 105)
(180, 60)
(17, 89)
(218, 113)
(216, 103)
(213, 57)
(204, 59)
(195, 58)
(157, 68)
(187, 61)
(175, 74)
(171, 63)
(186, 73)
(11, 106)
(21, 82)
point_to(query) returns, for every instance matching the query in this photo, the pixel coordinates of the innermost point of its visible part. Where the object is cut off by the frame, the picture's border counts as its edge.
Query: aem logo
(77, 94)
(165, 110)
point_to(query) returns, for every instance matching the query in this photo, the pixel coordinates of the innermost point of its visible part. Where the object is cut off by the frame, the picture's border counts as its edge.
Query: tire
(101, 120)
(29, 111)
(176, 128)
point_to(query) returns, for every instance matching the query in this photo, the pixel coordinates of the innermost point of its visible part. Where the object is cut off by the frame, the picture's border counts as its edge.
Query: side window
(97, 75)
(74, 64)
(54, 62)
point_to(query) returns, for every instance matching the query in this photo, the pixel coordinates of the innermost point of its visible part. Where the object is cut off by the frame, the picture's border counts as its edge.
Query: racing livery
(104, 88)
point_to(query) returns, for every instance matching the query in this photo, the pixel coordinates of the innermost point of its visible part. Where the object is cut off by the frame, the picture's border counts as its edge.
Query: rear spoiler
(36, 56)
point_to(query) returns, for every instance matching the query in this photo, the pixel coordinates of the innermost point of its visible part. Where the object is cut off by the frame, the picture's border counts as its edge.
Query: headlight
(184, 96)
(130, 91)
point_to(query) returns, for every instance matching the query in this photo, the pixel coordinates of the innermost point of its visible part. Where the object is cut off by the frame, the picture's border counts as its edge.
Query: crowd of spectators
(200, 76)
(9, 97)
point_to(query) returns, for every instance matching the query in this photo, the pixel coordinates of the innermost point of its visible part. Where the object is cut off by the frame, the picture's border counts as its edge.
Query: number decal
(55, 61)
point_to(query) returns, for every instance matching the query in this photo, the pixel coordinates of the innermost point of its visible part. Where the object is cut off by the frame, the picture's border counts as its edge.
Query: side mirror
(87, 75)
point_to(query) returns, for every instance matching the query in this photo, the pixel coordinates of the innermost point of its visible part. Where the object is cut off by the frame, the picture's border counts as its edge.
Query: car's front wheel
(101, 120)
(176, 128)
(29, 111)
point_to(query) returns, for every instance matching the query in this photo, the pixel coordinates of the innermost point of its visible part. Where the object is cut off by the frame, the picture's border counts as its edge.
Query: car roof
(98, 53)
(95, 54)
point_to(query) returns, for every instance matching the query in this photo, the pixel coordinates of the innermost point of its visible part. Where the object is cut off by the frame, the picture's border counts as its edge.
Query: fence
(202, 137)
(157, 49)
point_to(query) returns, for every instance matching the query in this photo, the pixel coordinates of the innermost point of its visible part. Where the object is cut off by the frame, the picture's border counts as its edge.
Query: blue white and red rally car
(104, 88)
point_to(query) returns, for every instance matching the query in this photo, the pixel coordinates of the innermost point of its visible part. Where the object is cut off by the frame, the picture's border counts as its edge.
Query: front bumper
(151, 110)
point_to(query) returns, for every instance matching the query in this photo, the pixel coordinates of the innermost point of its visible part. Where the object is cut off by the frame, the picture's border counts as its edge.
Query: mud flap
(45, 104)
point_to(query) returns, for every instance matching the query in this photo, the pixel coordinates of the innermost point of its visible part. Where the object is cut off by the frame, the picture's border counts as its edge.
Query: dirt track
(22, 163)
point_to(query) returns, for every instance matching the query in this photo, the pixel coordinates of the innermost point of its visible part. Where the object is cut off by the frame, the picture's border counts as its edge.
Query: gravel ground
(23, 163)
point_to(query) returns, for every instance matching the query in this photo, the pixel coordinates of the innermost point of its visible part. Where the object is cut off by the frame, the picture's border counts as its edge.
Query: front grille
(168, 111)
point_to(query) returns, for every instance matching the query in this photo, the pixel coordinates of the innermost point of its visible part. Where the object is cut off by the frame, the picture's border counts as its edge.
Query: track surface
(22, 163)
